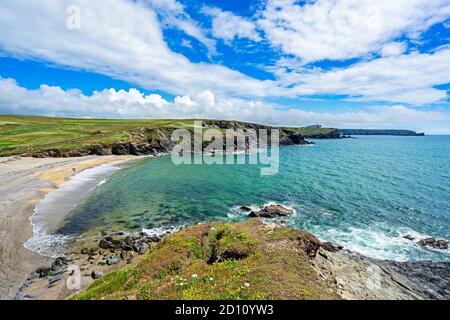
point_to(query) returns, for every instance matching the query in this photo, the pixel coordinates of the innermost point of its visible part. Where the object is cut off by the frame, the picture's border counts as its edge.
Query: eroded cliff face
(146, 141)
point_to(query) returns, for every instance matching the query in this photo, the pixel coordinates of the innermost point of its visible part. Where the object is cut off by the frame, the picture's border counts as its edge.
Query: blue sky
(352, 63)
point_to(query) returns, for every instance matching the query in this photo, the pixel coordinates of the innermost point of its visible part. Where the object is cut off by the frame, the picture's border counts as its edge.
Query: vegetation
(248, 260)
(32, 136)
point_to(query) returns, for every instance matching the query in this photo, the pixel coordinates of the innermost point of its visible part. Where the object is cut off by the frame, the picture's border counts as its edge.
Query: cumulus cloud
(118, 38)
(111, 103)
(228, 26)
(337, 30)
(406, 78)
(123, 39)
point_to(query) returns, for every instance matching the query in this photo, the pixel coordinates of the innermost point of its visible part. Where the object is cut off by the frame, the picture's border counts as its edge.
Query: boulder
(331, 247)
(246, 209)
(272, 211)
(44, 272)
(96, 274)
(112, 260)
(434, 243)
(409, 237)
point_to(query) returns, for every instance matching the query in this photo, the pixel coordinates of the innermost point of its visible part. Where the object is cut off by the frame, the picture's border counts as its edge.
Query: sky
(339, 63)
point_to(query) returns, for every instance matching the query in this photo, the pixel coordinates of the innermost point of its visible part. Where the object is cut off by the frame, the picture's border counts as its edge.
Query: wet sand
(24, 182)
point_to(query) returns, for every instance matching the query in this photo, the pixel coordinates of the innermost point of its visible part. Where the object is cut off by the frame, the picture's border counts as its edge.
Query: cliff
(252, 260)
(378, 132)
(59, 137)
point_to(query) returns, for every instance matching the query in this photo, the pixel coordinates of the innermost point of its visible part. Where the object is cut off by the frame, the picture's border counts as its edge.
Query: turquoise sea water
(364, 193)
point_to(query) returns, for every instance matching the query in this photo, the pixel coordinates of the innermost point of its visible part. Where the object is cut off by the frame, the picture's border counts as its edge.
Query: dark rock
(431, 278)
(103, 233)
(127, 247)
(155, 239)
(272, 211)
(104, 244)
(293, 139)
(331, 247)
(434, 243)
(137, 248)
(96, 274)
(246, 209)
(84, 251)
(44, 272)
(409, 237)
(61, 261)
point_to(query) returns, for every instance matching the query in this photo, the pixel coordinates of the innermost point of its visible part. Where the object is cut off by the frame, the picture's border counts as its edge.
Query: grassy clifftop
(32, 135)
(46, 136)
(248, 260)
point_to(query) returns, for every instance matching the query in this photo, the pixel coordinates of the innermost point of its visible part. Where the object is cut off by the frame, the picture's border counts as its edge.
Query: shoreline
(25, 182)
(35, 179)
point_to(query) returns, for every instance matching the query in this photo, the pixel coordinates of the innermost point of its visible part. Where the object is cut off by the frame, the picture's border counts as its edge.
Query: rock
(155, 239)
(104, 244)
(409, 237)
(44, 272)
(292, 139)
(272, 211)
(52, 281)
(127, 247)
(143, 249)
(434, 243)
(112, 260)
(331, 247)
(96, 274)
(103, 233)
(246, 209)
(61, 261)
(84, 251)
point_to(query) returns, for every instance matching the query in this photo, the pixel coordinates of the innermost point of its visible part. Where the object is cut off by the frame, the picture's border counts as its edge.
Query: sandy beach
(24, 182)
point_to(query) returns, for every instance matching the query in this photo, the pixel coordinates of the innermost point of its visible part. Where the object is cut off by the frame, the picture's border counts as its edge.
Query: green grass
(243, 261)
(311, 132)
(27, 135)
(31, 135)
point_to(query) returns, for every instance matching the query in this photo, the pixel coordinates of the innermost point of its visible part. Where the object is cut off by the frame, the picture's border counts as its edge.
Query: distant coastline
(380, 132)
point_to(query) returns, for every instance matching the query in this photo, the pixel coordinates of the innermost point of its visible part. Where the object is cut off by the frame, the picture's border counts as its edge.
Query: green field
(26, 135)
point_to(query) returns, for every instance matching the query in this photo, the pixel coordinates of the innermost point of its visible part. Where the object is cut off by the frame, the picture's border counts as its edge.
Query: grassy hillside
(31, 135)
(248, 260)
(35, 136)
(314, 133)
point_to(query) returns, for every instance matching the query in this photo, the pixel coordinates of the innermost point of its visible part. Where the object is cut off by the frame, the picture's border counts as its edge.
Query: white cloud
(343, 29)
(123, 39)
(404, 79)
(393, 49)
(110, 103)
(228, 26)
(118, 38)
(173, 14)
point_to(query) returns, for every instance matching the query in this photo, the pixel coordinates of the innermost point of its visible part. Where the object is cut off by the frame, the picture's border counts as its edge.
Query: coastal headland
(248, 260)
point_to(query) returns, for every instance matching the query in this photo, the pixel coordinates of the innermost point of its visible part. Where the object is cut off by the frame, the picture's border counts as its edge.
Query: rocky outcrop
(146, 141)
(272, 211)
(434, 243)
